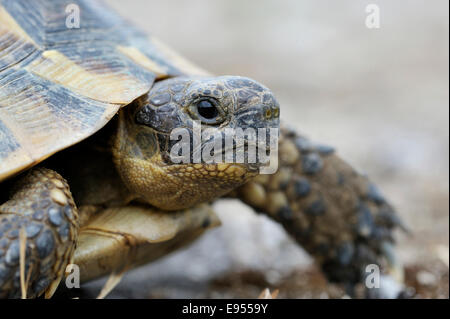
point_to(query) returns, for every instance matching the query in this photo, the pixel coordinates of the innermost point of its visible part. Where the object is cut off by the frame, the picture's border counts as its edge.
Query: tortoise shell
(60, 82)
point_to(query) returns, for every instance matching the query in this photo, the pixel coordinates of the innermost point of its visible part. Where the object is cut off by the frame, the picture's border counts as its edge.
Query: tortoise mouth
(248, 154)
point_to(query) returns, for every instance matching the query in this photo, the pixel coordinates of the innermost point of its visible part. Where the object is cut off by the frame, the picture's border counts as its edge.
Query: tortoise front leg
(331, 210)
(38, 232)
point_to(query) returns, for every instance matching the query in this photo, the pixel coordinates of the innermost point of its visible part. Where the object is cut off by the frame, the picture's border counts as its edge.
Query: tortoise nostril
(268, 114)
(276, 112)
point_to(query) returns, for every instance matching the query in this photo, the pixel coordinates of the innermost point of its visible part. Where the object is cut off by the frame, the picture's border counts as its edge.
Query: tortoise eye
(208, 112)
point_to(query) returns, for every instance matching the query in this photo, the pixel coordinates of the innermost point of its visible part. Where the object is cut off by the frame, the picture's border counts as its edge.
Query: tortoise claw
(38, 231)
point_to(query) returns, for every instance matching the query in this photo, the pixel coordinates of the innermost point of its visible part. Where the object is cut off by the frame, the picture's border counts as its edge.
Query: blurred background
(380, 96)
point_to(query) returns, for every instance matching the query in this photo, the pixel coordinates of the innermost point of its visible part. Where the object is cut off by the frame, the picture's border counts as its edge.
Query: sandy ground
(379, 95)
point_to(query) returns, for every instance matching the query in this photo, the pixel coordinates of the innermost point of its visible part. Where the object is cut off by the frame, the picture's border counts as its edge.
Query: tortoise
(87, 176)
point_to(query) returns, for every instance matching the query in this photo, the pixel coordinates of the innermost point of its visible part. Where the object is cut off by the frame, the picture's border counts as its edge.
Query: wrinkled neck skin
(140, 164)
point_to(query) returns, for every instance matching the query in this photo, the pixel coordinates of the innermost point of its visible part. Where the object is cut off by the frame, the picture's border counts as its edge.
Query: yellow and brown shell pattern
(60, 81)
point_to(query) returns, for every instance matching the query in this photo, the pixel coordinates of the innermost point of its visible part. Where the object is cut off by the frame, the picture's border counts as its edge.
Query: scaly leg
(38, 233)
(331, 210)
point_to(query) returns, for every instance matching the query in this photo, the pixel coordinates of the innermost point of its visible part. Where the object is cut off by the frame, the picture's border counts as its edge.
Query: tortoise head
(193, 139)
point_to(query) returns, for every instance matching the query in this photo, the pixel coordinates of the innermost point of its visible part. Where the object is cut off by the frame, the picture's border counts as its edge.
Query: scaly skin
(331, 210)
(43, 209)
